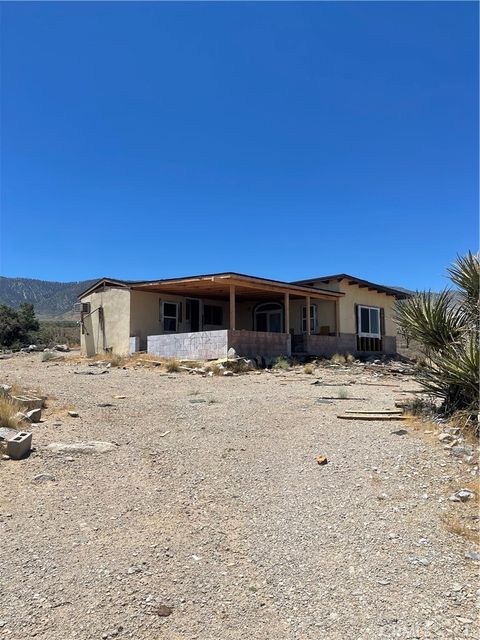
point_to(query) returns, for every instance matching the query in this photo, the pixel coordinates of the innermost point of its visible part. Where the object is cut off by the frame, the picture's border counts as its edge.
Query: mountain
(52, 300)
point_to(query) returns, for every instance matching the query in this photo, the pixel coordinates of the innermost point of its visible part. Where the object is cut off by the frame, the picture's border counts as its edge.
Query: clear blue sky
(287, 140)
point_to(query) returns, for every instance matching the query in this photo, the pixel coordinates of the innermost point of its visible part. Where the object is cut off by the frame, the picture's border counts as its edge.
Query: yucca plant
(446, 326)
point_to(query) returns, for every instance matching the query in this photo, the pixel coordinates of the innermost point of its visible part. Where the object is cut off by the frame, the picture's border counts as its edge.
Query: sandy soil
(228, 519)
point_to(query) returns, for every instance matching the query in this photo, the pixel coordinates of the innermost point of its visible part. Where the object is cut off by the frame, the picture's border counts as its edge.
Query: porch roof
(217, 286)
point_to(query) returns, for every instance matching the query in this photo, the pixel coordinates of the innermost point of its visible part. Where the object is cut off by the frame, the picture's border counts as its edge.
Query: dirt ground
(227, 519)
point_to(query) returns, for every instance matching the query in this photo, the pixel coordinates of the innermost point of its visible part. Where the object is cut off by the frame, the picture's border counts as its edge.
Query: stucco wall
(116, 312)
(356, 295)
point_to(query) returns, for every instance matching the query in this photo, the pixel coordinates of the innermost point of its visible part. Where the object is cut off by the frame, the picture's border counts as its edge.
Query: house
(202, 317)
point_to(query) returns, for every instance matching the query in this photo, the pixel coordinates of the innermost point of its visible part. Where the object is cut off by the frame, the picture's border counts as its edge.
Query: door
(269, 317)
(193, 309)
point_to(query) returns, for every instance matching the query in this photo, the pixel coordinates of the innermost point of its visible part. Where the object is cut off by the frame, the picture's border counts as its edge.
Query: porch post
(337, 317)
(287, 312)
(232, 306)
(307, 313)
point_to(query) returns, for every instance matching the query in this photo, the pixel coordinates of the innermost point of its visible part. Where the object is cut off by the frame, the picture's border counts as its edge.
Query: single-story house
(202, 317)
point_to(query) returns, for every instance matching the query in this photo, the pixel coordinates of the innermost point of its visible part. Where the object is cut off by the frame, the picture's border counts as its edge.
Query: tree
(16, 324)
(446, 326)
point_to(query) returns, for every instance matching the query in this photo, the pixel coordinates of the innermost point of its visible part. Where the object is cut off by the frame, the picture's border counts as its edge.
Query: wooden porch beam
(232, 306)
(286, 314)
(337, 317)
(307, 314)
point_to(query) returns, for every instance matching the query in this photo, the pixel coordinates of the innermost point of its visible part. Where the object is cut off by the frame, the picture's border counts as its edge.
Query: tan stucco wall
(116, 311)
(356, 295)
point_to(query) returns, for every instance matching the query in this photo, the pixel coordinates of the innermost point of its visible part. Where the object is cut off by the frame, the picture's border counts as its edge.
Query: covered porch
(205, 316)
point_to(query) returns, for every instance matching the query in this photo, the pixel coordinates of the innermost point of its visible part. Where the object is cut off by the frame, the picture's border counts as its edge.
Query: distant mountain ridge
(52, 300)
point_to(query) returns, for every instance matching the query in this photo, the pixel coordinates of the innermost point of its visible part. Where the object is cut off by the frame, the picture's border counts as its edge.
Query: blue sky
(287, 140)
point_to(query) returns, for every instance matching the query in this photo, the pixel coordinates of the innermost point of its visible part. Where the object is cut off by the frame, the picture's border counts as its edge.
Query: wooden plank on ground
(376, 412)
(374, 417)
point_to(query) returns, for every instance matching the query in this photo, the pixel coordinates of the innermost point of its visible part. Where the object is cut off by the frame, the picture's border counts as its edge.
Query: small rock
(5, 457)
(93, 446)
(400, 432)
(34, 415)
(231, 353)
(462, 496)
(322, 460)
(445, 437)
(228, 373)
(73, 414)
(164, 611)
(472, 555)
(5, 389)
(44, 477)
(62, 347)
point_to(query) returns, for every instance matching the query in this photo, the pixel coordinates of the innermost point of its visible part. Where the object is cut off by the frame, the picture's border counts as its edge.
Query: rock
(33, 347)
(472, 555)
(27, 403)
(164, 611)
(73, 414)
(5, 457)
(62, 347)
(459, 452)
(231, 353)
(228, 373)
(5, 390)
(462, 496)
(6, 433)
(445, 437)
(43, 477)
(400, 432)
(93, 446)
(322, 459)
(34, 415)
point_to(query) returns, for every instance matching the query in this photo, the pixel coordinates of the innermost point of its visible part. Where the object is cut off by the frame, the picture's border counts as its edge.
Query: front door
(269, 317)
(193, 307)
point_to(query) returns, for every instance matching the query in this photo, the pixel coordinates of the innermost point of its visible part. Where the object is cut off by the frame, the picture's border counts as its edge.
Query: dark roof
(398, 293)
(132, 283)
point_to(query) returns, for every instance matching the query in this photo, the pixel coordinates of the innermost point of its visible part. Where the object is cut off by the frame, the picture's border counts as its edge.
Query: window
(212, 314)
(268, 316)
(169, 316)
(313, 318)
(369, 322)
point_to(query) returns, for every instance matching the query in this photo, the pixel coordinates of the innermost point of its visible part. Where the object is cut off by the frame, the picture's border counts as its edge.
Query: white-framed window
(313, 318)
(169, 316)
(368, 322)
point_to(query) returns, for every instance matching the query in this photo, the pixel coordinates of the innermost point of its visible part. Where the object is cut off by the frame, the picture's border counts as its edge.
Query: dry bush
(172, 365)
(116, 360)
(337, 358)
(342, 394)
(349, 358)
(8, 409)
(309, 369)
(460, 526)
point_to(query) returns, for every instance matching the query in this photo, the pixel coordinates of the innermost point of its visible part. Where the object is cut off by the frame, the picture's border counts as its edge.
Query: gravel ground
(228, 519)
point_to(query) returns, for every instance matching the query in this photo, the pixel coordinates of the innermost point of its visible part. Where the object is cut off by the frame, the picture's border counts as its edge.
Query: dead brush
(309, 369)
(116, 360)
(281, 363)
(172, 365)
(8, 409)
(337, 358)
(461, 527)
(342, 394)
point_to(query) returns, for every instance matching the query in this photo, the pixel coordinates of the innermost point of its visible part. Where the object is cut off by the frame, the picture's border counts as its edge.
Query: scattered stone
(322, 460)
(43, 477)
(5, 390)
(6, 433)
(472, 555)
(120, 397)
(462, 496)
(93, 446)
(231, 353)
(34, 415)
(62, 347)
(445, 437)
(5, 457)
(105, 404)
(400, 432)
(164, 611)
(228, 373)
(73, 414)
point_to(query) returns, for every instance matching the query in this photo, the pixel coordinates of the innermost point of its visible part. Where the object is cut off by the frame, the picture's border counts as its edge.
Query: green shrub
(446, 326)
(281, 363)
